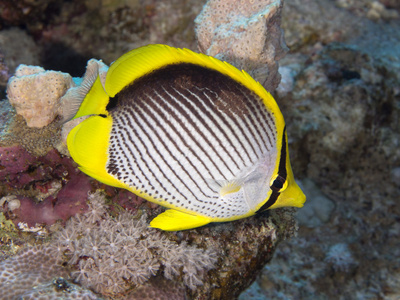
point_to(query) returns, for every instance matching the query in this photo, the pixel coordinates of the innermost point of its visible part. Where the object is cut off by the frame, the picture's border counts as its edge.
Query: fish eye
(277, 183)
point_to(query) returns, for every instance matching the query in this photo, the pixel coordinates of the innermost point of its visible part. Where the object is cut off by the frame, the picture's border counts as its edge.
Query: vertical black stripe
(281, 172)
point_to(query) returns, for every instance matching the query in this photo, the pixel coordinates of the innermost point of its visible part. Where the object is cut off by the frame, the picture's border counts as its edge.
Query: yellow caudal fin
(88, 143)
(173, 220)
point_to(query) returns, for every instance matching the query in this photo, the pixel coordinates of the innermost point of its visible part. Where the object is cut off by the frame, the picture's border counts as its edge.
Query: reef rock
(36, 93)
(247, 34)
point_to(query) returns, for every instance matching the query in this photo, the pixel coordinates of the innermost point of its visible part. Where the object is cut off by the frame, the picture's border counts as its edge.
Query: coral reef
(247, 34)
(312, 24)
(36, 273)
(340, 257)
(4, 73)
(319, 207)
(36, 94)
(35, 141)
(113, 254)
(158, 288)
(13, 13)
(69, 33)
(340, 98)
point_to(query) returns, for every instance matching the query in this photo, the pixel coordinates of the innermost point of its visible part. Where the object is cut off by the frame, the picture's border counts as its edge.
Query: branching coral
(113, 253)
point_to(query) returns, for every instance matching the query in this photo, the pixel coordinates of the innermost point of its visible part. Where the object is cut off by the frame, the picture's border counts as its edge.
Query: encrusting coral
(60, 289)
(245, 33)
(112, 254)
(29, 267)
(36, 273)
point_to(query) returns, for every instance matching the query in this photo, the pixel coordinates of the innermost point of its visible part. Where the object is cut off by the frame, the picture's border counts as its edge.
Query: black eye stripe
(278, 183)
(280, 179)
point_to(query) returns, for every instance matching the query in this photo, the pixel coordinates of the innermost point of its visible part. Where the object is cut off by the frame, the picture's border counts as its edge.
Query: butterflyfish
(188, 132)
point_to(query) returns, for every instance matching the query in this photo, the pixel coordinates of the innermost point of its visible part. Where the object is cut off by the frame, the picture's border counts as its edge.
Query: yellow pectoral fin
(88, 145)
(173, 220)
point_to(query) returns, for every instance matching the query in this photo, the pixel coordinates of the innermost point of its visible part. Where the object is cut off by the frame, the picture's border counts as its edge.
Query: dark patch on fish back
(228, 92)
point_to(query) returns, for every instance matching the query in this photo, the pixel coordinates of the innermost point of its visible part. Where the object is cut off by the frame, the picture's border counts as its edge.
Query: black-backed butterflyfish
(188, 132)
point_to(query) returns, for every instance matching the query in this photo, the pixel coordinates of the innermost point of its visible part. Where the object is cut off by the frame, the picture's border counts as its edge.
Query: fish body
(188, 132)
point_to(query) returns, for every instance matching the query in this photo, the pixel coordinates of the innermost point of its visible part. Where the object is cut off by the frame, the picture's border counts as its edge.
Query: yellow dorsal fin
(88, 143)
(95, 101)
(173, 220)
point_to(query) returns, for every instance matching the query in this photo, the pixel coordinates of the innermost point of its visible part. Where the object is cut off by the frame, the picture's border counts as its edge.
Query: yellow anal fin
(173, 220)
